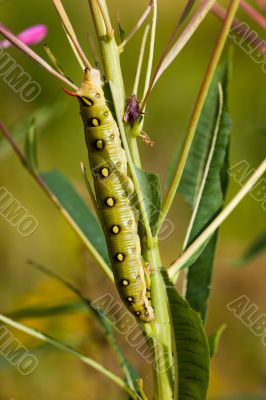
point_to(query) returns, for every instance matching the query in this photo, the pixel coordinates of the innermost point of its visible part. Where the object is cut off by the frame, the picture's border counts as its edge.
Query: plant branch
(206, 234)
(34, 56)
(140, 60)
(48, 339)
(71, 34)
(242, 29)
(93, 252)
(169, 56)
(254, 14)
(198, 108)
(151, 52)
(134, 177)
(54, 61)
(136, 27)
(106, 19)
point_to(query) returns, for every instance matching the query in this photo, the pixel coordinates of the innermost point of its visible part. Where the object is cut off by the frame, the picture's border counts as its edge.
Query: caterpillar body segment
(113, 189)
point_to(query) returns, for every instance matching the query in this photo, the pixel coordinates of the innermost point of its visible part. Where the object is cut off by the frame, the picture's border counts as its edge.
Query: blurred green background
(239, 366)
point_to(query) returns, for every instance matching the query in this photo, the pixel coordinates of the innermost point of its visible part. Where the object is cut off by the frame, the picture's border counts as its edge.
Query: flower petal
(29, 36)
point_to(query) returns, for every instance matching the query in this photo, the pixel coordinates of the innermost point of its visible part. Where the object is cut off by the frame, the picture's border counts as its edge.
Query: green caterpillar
(113, 189)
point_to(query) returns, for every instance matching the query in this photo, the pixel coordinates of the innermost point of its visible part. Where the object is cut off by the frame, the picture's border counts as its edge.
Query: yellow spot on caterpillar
(95, 122)
(105, 172)
(106, 114)
(98, 95)
(115, 229)
(138, 313)
(110, 202)
(120, 257)
(99, 144)
(130, 299)
(125, 282)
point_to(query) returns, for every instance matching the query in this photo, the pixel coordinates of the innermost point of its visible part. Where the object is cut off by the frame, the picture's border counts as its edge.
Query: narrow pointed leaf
(58, 344)
(30, 147)
(211, 199)
(43, 116)
(43, 311)
(191, 350)
(214, 340)
(131, 375)
(253, 251)
(151, 191)
(213, 196)
(74, 204)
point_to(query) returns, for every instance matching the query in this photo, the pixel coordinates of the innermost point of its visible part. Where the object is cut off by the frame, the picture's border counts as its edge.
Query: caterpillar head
(144, 311)
(94, 110)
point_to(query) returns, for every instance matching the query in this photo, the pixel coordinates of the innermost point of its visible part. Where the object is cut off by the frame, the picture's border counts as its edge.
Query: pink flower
(29, 36)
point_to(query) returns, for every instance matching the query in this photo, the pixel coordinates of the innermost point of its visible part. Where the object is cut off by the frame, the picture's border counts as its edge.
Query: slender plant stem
(242, 29)
(71, 34)
(112, 70)
(54, 61)
(169, 55)
(93, 252)
(254, 14)
(34, 56)
(136, 27)
(48, 339)
(140, 60)
(106, 19)
(135, 178)
(137, 129)
(109, 53)
(205, 235)
(151, 52)
(217, 52)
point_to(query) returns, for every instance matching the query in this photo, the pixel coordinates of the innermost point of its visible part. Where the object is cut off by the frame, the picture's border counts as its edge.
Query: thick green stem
(161, 330)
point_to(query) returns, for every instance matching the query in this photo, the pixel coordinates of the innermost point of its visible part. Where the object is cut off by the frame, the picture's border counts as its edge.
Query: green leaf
(74, 204)
(253, 251)
(44, 116)
(152, 195)
(58, 344)
(214, 340)
(43, 311)
(30, 147)
(208, 200)
(194, 169)
(186, 11)
(121, 33)
(191, 350)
